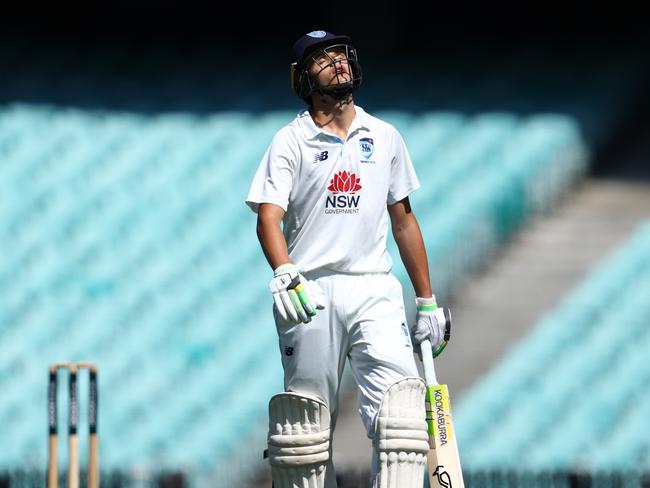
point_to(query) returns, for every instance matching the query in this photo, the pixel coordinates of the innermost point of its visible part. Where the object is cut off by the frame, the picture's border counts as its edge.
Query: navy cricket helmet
(314, 45)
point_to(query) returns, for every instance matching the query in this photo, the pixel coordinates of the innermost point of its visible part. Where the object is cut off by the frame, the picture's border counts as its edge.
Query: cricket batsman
(323, 193)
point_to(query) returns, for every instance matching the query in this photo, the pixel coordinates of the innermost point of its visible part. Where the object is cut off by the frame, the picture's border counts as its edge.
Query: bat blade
(443, 460)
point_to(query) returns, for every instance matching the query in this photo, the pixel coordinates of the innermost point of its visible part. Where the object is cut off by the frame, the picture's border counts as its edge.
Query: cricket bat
(443, 460)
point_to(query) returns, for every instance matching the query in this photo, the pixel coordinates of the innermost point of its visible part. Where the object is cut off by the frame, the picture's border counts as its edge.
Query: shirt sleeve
(403, 180)
(274, 178)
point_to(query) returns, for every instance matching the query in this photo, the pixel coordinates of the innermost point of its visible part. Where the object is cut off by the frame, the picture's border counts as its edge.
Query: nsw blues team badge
(367, 147)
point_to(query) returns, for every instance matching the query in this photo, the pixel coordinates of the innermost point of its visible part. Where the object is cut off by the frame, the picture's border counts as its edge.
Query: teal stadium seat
(571, 393)
(401, 120)
(428, 132)
(125, 241)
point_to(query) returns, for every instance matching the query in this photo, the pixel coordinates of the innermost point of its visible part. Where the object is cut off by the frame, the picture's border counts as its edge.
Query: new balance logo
(320, 156)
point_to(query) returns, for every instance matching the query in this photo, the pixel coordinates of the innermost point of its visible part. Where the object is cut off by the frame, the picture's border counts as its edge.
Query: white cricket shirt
(335, 192)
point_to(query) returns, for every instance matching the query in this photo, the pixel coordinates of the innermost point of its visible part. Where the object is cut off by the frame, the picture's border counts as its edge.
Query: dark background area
(388, 23)
(587, 61)
(378, 28)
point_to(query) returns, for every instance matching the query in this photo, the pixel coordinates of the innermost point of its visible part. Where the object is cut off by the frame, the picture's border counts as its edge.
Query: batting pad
(299, 440)
(401, 440)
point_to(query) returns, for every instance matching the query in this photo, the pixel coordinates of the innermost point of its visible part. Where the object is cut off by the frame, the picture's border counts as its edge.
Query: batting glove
(295, 297)
(433, 323)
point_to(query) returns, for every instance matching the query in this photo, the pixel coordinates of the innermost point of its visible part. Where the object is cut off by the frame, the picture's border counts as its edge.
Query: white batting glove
(433, 323)
(295, 297)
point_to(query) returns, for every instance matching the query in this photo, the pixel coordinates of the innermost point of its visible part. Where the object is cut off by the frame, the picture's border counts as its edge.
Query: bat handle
(427, 362)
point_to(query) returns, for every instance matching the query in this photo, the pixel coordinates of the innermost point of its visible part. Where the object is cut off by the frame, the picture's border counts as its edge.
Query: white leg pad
(299, 440)
(401, 441)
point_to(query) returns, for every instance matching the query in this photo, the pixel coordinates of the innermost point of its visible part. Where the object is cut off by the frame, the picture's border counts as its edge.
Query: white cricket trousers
(363, 321)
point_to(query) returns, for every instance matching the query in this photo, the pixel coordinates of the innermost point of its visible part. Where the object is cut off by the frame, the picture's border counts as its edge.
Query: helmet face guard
(305, 85)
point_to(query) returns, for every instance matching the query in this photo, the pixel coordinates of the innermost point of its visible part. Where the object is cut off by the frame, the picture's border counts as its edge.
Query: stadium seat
(131, 246)
(571, 392)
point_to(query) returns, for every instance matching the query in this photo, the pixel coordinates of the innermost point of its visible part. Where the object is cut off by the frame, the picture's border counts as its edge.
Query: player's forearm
(414, 255)
(272, 241)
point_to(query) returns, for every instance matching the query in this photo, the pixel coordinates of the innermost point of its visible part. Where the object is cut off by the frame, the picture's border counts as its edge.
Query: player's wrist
(284, 268)
(426, 304)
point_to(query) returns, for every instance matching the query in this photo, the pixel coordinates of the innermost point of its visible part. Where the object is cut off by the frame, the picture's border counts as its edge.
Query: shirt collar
(311, 130)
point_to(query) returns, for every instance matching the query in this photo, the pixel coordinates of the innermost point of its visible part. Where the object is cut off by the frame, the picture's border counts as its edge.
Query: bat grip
(427, 363)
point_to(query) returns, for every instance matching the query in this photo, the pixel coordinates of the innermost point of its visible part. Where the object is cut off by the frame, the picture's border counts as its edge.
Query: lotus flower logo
(344, 182)
(343, 200)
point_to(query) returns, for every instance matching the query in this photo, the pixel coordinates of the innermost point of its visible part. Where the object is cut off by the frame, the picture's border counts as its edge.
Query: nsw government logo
(367, 147)
(344, 199)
